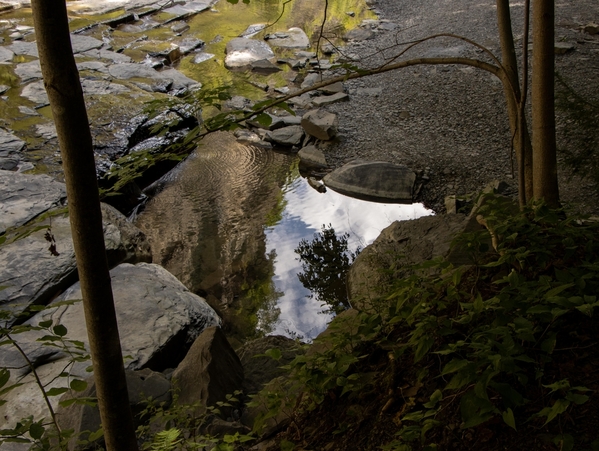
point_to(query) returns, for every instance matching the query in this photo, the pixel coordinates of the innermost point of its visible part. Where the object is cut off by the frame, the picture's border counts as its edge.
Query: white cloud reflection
(306, 211)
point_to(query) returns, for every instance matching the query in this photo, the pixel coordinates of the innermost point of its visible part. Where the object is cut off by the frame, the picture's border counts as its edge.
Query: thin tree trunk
(513, 97)
(63, 86)
(543, 103)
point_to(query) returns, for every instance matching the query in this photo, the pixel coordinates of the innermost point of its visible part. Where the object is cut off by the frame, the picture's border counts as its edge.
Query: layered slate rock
(287, 136)
(6, 55)
(241, 52)
(210, 371)
(159, 318)
(9, 146)
(25, 196)
(321, 124)
(158, 321)
(125, 71)
(31, 274)
(376, 181)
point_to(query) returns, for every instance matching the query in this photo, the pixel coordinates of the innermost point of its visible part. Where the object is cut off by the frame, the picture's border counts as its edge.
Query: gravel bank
(450, 122)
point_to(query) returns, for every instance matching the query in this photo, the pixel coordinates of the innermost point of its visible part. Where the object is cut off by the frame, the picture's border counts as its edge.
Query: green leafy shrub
(478, 344)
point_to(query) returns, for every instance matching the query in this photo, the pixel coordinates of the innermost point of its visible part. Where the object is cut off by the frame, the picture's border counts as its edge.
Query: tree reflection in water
(325, 262)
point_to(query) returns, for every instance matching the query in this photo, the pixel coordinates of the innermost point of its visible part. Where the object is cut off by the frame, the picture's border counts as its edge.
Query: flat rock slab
(294, 38)
(321, 124)
(158, 317)
(287, 136)
(24, 197)
(329, 99)
(82, 43)
(9, 144)
(29, 71)
(126, 71)
(6, 55)
(241, 52)
(107, 55)
(24, 48)
(376, 181)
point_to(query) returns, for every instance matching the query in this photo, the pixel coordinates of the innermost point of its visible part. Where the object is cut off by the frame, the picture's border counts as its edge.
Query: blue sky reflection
(305, 213)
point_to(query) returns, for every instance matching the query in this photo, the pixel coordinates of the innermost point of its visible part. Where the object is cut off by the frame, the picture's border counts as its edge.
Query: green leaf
(508, 417)
(475, 410)
(586, 309)
(564, 442)
(57, 391)
(78, 385)
(36, 430)
(577, 399)
(558, 407)
(60, 330)
(96, 435)
(264, 119)
(557, 290)
(4, 376)
(435, 398)
(548, 345)
(274, 353)
(45, 324)
(454, 365)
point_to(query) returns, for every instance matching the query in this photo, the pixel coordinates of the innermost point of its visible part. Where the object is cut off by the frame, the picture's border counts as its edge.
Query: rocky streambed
(125, 60)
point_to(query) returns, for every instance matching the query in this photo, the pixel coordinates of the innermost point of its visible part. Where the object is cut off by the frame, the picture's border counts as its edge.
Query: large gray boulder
(158, 321)
(31, 274)
(399, 246)
(210, 371)
(376, 181)
(320, 124)
(241, 52)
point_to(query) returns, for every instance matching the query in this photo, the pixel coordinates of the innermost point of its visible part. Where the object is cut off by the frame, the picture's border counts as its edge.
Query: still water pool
(227, 223)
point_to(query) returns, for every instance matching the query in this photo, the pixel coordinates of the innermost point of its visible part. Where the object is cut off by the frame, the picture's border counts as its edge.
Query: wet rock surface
(377, 181)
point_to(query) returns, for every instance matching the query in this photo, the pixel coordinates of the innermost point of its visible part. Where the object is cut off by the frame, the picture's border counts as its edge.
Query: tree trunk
(513, 96)
(63, 86)
(543, 103)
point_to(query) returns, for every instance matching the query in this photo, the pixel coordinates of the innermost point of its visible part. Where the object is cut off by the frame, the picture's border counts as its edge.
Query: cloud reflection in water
(305, 212)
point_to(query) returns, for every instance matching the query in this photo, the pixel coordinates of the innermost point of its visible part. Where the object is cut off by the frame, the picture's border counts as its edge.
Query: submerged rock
(241, 52)
(294, 38)
(376, 181)
(312, 157)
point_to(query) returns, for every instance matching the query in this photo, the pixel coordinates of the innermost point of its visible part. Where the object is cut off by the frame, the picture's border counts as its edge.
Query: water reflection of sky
(305, 213)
